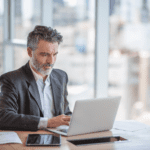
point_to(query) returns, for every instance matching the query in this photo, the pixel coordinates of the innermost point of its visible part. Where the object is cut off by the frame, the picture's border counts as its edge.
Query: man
(35, 96)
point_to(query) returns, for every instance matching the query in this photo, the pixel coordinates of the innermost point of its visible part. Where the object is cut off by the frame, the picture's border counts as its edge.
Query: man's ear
(29, 50)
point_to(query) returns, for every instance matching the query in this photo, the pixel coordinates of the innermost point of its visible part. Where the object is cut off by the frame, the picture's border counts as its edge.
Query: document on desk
(129, 125)
(9, 137)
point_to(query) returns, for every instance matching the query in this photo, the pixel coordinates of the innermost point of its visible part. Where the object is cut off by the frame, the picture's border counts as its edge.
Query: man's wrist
(43, 123)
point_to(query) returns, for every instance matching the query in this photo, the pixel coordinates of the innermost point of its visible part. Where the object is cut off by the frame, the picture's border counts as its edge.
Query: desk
(138, 140)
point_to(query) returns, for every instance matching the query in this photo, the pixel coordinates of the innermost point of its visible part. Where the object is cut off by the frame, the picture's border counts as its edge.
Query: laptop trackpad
(63, 128)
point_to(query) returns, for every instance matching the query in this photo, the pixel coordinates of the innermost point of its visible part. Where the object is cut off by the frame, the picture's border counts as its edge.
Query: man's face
(44, 57)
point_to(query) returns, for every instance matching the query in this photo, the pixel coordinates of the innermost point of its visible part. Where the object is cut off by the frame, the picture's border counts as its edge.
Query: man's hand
(57, 121)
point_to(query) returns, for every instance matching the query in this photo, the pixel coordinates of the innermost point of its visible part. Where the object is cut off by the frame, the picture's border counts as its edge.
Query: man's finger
(65, 123)
(66, 118)
(62, 115)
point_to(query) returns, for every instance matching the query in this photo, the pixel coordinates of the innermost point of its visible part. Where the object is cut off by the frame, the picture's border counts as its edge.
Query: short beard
(39, 67)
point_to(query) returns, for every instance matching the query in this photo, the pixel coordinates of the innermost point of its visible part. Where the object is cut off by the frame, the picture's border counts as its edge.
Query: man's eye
(44, 54)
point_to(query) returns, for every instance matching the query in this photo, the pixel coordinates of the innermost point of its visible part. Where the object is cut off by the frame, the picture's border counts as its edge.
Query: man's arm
(9, 117)
(66, 103)
(54, 122)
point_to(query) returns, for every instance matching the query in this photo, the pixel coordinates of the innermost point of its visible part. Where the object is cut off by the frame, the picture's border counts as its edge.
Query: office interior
(105, 51)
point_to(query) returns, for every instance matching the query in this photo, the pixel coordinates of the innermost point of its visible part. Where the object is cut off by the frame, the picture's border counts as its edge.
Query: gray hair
(43, 33)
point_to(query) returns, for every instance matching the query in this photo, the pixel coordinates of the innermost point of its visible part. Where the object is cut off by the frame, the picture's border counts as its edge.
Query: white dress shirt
(46, 98)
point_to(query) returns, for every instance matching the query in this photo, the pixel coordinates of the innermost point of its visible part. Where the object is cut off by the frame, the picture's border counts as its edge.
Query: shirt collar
(38, 77)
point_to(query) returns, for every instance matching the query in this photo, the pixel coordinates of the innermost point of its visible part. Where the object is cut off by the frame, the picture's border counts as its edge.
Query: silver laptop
(92, 115)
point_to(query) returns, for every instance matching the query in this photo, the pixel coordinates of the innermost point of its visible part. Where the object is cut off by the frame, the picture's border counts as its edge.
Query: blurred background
(128, 59)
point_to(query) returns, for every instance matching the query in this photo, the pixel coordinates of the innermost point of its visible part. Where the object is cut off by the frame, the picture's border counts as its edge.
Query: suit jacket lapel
(33, 89)
(56, 91)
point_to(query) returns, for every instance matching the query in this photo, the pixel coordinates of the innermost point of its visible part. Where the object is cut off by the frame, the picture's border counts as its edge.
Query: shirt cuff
(43, 123)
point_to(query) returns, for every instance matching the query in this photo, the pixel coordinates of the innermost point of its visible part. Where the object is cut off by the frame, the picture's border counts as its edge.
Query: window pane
(1, 34)
(20, 52)
(75, 20)
(1, 19)
(27, 15)
(129, 57)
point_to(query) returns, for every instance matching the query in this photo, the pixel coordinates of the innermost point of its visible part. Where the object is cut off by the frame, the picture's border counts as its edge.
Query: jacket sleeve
(66, 103)
(9, 117)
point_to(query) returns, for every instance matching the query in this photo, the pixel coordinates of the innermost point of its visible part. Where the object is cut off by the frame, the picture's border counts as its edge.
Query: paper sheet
(130, 125)
(9, 137)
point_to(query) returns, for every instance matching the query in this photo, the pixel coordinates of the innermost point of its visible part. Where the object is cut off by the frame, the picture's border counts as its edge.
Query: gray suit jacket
(20, 106)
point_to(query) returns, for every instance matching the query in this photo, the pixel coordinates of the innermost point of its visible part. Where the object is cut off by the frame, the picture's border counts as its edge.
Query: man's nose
(50, 60)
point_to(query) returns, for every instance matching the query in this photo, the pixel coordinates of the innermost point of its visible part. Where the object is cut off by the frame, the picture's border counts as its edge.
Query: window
(1, 34)
(27, 15)
(75, 20)
(1, 19)
(129, 57)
